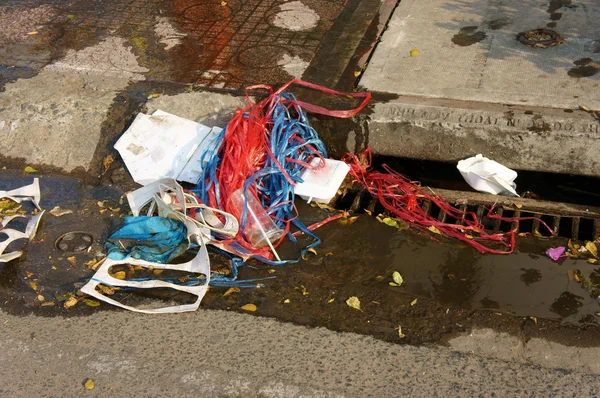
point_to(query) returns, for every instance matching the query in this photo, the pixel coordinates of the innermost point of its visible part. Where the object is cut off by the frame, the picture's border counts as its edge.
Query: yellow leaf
(286, 301)
(107, 161)
(357, 73)
(33, 285)
(413, 53)
(537, 234)
(231, 290)
(122, 275)
(331, 300)
(592, 260)
(249, 307)
(91, 302)
(592, 248)
(311, 250)
(72, 260)
(48, 304)
(397, 278)
(583, 108)
(90, 263)
(534, 319)
(89, 384)
(393, 284)
(71, 302)
(223, 3)
(368, 212)
(40, 297)
(518, 205)
(154, 95)
(271, 271)
(328, 254)
(30, 169)
(412, 303)
(109, 291)
(400, 334)
(434, 230)
(354, 302)
(35, 32)
(348, 220)
(379, 278)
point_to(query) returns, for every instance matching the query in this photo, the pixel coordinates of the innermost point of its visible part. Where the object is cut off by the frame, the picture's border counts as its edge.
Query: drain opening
(565, 225)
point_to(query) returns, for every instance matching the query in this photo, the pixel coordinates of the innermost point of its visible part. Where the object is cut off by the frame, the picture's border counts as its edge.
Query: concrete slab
(468, 51)
(520, 137)
(55, 118)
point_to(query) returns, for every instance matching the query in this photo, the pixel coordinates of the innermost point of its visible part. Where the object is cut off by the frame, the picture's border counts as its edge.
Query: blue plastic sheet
(155, 239)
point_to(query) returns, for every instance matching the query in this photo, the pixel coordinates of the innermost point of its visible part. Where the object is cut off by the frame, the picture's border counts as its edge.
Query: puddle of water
(525, 283)
(468, 35)
(44, 270)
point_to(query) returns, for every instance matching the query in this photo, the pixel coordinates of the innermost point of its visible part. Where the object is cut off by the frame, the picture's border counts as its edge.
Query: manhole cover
(74, 242)
(540, 38)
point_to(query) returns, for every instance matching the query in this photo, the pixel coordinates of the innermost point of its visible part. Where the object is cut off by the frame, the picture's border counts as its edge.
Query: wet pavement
(448, 287)
(217, 44)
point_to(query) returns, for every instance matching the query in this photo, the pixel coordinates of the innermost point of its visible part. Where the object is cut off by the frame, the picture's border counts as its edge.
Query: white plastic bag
(486, 175)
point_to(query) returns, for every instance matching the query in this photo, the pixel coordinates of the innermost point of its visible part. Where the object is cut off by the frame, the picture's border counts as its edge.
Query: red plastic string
(403, 198)
(246, 146)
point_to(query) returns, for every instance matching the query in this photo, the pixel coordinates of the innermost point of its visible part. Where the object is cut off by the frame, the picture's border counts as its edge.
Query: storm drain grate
(567, 220)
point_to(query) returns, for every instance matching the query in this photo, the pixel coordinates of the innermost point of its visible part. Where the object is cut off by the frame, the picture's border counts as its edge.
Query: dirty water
(468, 36)
(450, 282)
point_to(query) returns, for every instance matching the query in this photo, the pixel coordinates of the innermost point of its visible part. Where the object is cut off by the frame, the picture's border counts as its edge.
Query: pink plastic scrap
(556, 252)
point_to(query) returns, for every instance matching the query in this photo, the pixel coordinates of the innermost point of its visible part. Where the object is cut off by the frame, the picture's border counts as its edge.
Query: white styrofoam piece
(486, 175)
(29, 192)
(160, 145)
(321, 183)
(192, 170)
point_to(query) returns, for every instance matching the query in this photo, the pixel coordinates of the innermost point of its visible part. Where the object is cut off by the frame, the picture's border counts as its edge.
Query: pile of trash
(238, 192)
(240, 201)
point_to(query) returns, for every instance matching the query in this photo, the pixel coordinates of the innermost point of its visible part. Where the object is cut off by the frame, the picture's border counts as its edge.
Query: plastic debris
(199, 265)
(486, 175)
(321, 182)
(403, 199)
(30, 193)
(556, 252)
(164, 145)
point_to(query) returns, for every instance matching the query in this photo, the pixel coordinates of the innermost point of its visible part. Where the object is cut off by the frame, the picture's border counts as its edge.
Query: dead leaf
(30, 169)
(400, 334)
(108, 160)
(518, 205)
(412, 303)
(592, 260)
(348, 220)
(397, 278)
(592, 248)
(451, 277)
(100, 203)
(223, 3)
(286, 301)
(534, 319)
(72, 260)
(369, 212)
(392, 222)
(537, 233)
(357, 73)
(328, 254)
(90, 263)
(271, 271)
(40, 297)
(231, 290)
(584, 108)
(89, 384)
(58, 212)
(109, 291)
(434, 230)
(71, 302)
(33, 285)
(91, 302)
(35, 32)
(115, 209)
(153, 95)
(379, 278)
(331, 300)
(249, 307)
(48, 304)
(354, 302)
(122, 274)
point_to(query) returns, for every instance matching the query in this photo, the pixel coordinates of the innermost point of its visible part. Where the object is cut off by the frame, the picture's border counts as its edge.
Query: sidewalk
(474, 88)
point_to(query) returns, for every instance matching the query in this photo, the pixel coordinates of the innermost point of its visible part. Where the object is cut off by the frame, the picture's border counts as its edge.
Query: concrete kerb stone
(523, 138)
